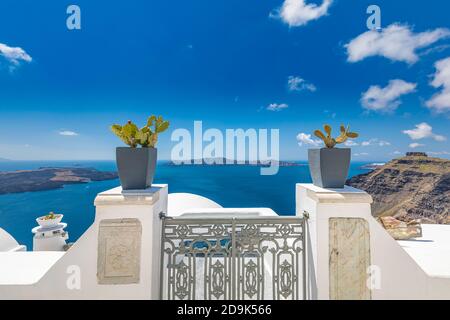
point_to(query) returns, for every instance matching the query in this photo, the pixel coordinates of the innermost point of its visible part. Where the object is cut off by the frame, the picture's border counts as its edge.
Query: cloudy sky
(292, 65)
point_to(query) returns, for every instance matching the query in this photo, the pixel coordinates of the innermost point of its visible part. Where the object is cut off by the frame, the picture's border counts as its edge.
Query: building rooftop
(416, 154)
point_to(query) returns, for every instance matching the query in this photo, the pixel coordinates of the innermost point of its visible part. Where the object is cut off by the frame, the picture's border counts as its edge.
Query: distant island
(232, 162)
(49, 178)
(4, 160)
(412, 187)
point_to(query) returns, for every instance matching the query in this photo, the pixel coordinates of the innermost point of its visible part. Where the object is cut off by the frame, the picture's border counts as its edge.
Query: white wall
(8, 243)
(401, 277)
(83, 254)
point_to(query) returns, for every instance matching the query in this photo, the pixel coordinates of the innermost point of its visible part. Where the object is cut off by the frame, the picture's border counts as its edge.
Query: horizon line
(12, 160)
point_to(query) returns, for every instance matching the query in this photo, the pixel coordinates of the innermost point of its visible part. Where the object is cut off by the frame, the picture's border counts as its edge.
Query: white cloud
(386, 99)
(68, 133)
(305, 139)
(375, 142)
(416, 145)
(14, 54)
(396, 42)
(396, 152)
(384, 143)
(440, 102)
(330, 114)
(298, 12)
(350, 143)
(277, 106)
(422, 131)
(299, 84)
(362, 154)
(439, 153)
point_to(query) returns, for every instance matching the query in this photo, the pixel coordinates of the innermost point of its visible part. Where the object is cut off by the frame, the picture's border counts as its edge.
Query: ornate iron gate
(235, 258)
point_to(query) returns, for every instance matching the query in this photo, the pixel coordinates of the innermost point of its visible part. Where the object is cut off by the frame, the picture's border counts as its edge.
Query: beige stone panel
(349, 252)
(119, 251)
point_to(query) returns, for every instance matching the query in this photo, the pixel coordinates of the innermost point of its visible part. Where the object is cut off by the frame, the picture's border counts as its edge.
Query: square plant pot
(329, 167)
(136, 167)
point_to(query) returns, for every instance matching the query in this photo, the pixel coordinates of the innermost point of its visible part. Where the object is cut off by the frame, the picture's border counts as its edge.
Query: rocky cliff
(411, 187)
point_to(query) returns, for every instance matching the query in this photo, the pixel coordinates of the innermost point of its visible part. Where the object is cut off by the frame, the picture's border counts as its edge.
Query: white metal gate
(235, 258)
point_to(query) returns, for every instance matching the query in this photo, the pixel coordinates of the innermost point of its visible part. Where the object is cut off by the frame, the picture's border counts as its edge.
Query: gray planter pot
(329, 167)
(136, 167)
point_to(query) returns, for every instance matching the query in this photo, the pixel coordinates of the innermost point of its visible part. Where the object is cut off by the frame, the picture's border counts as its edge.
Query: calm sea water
(230, 186)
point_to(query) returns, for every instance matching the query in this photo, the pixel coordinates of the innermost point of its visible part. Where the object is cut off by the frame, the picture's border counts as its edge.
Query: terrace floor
(432, 251)
(25, 268)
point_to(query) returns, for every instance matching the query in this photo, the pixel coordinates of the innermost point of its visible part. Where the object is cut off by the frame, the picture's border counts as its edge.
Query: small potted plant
(50, 220)
(329, 166)
(136, 166)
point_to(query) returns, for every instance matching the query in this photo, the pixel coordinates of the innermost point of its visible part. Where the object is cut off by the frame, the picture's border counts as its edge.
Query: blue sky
(231, 64)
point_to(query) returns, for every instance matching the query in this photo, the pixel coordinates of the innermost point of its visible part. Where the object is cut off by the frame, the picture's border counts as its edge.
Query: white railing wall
(393, 273)
(118, 257)
(81, 262)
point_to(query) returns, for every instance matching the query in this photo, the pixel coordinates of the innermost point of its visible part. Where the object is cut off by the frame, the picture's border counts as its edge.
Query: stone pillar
(129, 239)
(338, 242)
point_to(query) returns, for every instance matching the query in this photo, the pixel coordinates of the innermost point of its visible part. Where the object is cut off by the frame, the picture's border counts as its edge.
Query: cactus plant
(332, 142)
(146, 137)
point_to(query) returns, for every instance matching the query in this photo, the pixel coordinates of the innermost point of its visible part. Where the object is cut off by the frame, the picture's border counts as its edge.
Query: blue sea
(230, 186)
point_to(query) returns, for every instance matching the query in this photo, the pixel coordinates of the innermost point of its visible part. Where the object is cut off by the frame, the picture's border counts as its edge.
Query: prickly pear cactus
(332, 142)
(146, 137)
(126, 133)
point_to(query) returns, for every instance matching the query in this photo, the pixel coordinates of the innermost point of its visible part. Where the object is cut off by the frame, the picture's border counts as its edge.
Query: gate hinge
(306, 215)
(162, 215)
